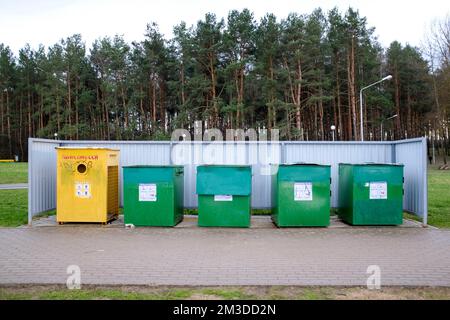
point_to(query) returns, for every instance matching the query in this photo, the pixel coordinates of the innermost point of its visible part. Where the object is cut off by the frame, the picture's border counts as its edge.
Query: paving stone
(188, 255)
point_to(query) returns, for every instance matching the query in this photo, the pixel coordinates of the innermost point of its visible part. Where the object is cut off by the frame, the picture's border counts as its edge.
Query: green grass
(43, 293)
(111, 294)
(55, 292)
(439, 198)
(315, 294)
(190, 212)
(13, 207)
(92, 294)
(14, 172)
(227, 294)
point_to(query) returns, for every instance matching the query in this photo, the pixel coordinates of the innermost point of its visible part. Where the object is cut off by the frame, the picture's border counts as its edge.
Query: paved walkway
(198, 256)
(14, 186)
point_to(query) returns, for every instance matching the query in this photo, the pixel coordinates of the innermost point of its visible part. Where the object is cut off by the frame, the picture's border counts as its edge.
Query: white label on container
(82, 190)
(222, 197)
(147, 192)
(378, 190)
(303, 191)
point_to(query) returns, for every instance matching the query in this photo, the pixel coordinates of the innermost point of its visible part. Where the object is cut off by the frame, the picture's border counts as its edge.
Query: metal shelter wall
(260, 155)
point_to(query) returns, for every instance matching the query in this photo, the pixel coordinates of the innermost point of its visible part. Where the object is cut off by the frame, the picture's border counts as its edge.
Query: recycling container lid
(304, 164)
(224, 180)
(152, 166)
(85, 148)
(373, 164)
(224, 166)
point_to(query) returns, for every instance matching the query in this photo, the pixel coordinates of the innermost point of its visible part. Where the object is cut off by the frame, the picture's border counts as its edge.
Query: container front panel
(303, 196)
(212, 213)
(150, 197)
(378, 195)
(141, 211)
(81, 186)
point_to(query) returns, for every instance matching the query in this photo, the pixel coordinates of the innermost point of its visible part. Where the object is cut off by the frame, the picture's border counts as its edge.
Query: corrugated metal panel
(259, 156)
(42, 171)
(413, 155)
(41, 176)
(335, 153)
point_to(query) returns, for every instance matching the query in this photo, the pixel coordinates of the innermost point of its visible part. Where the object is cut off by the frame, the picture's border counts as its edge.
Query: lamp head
(389, 77)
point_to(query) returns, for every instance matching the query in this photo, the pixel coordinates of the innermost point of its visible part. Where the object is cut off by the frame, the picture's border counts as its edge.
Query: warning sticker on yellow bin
(147, 192)
(378, 190)
(303, 191)
(82, 190)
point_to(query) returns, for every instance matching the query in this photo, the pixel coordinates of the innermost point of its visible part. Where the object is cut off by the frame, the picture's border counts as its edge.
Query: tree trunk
(162, 117)
(183, 96)
(21, 126)
(397, 132)
(321, 116)
(30, 128)
(296, 93)
(76, 108)
(213, 91)
(106, 110)
(153, 86)
(58, 122)
(125, 108)
(1, 111)
(351, 87)
(69, 103)
(41, 113)
(141, 106)
(8, 124)
(338, 97)
(271, 107)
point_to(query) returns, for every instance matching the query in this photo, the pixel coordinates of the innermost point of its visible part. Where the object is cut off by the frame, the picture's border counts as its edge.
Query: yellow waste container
(87, 185)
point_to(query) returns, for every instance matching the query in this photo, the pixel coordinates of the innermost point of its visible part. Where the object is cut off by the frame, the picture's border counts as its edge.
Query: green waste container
(153, 195)
(301, 195)
(224, 196)
(371, 194)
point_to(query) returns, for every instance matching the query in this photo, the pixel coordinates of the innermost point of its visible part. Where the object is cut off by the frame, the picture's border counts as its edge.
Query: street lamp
(55, 135)
(394, 116)
(333, 129)
(389, 77)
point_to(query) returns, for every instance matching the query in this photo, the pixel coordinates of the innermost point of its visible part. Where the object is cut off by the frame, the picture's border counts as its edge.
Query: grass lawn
(52, 292)
(439, 198)
(13, 172)
(13, 207)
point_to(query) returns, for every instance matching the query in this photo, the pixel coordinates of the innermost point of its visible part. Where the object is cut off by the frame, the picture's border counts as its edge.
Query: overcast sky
(47, 21)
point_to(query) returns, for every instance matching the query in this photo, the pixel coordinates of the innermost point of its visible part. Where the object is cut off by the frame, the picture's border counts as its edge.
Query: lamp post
(389, 77)
(333, 129)
(394, 116)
